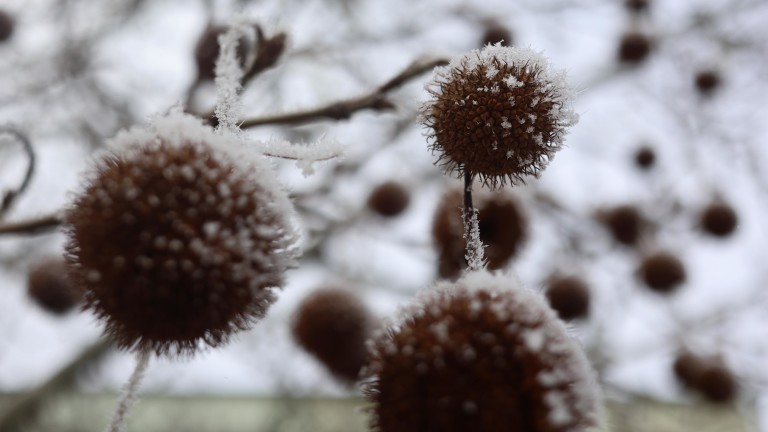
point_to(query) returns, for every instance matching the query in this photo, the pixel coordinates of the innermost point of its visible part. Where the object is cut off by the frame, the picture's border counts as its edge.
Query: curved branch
(31, 226)
(375, 100)
(10, 196)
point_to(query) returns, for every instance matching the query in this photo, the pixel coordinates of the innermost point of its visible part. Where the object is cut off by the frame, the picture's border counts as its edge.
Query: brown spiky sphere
(645, 158)
(624, 223)
(481, 354)
(48, 286)
(7, 25)
(503, 229)
(707, 81)
(662, 272)
(495, 33)
(333, 324)
(177, 242)
(634, 48)
(207, 51)
(569, 297)
(497, 113)
(389, 199)
(719, 219)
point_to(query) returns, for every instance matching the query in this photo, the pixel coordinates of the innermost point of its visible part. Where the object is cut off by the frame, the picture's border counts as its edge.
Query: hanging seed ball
(719, 219)
(495, 33)
(637, 6)
(479, 354)
(503, 229)
(717, 384)
(207, 51)
(624, 223)
(389, 199)
(634, 48)
(662, 272)
(645, 158)
(569, 297)
(499, 113)
(7, 25)
(178, 238)
(706, 82)
(688, 368)
(333, 324)
(48, 286)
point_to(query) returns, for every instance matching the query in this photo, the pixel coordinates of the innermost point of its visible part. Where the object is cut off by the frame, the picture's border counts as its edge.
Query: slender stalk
(474, 255)
(128, 398)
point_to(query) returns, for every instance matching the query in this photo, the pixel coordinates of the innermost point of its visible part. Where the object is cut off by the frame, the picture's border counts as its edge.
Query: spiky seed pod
(481, 354)
(719, 219)
(389, 199)
(499, 113)
(503, 229)
(207, 52)
(624, 223)
(645, 158)
(495, 33)
(637, 6)
(48, 286)
(707, 81)
(717, 383)
(634, 48)
(7, 25)
(569, 297)
(333, 324)
(662, 272)
(178, 237)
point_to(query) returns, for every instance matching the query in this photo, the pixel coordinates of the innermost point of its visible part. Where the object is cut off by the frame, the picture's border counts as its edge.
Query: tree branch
(10, 197)
(31, 226)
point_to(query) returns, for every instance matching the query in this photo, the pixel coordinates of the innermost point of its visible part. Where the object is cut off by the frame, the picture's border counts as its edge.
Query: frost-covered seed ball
(634, 48)
(503, 230)
(389, 199)
(481, 354)
(333, 324)
(719, 219)
(499, 113)
(662, 272)
(48, 286)
(569, 297)
(624, 223)
(7, 25)
(176, 239)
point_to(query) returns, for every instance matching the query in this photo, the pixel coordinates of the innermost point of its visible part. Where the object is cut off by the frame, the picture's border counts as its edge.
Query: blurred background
(645, 232)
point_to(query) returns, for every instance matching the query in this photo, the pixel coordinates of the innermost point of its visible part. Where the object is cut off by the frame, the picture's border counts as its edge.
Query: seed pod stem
(128, 398)
(474, 254)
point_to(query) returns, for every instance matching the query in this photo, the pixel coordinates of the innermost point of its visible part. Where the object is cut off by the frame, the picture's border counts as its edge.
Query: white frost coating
(475, 248)
(229, 75)
(305, 155)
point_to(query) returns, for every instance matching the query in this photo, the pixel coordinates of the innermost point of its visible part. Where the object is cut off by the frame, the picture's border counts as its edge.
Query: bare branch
(31, 226)
(10, 196)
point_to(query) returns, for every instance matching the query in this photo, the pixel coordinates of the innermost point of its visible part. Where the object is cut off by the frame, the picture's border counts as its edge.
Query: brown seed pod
(7, 25)
(495, 33)
(719, 219)
(498, 113)
(175, 240)
(688, 368)
(637, 6)
(717, 383)
(634, 48)
(662, 272)
(503, 229)
(207, 51)
(480, 354)
(333, 324)
(707, 81)
(645, 158)
(624, 223)
(389, 199)
(48, 286)
(569, 297)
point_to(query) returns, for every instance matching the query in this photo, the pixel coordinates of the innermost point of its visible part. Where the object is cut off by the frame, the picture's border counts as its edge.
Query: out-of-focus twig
(31, 226)
(9, 197)
(375, 100)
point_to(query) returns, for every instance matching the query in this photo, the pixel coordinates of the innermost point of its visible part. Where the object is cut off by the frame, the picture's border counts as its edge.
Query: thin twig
(31, 226)
(10, 197)
(376, 100)
(128, 398)
(474, 255)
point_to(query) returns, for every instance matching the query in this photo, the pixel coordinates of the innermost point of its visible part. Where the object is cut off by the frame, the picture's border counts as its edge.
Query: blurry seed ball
(569, 297)
(688, 368)
(177, 237)
(7, 25)
(503, 230)
(707, 81)
(717, 383)
(499, 113)
(495, 33)
(479, 354)
(207, 51)
(48, 286)
(645, 158)
(662, 272)
(389, 199)
(333, 324)
(634, 47)
(624, 223)
(719, 219)
(637, 6)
